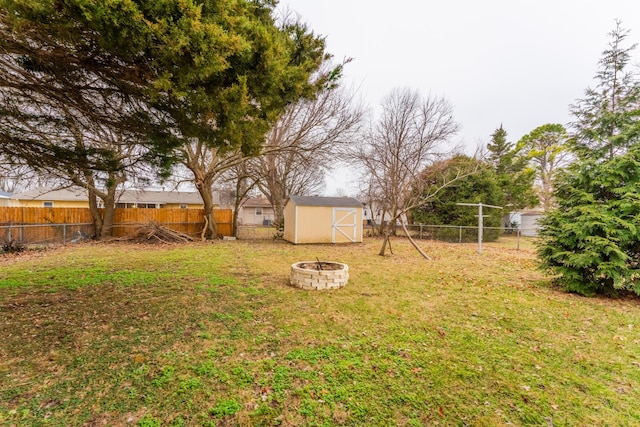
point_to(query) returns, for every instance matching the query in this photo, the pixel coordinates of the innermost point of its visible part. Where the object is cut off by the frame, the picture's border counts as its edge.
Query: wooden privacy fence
(38, 225)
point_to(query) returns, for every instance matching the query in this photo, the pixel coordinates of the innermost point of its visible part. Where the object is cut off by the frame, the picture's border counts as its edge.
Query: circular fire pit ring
(319, 275)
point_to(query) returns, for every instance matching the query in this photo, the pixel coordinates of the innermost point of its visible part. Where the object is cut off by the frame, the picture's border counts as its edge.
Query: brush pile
(156, 233)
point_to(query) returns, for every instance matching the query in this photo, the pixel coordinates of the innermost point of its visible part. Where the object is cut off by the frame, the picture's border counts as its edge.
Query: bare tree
(303, 144)
(547, 150)
(409, 135)
(291, 161)
(237, 183)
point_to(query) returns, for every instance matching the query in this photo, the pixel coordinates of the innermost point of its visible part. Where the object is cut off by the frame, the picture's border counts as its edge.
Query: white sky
(497, 61)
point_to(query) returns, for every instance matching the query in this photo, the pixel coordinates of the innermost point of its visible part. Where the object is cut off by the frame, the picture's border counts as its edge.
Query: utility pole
(480, 216)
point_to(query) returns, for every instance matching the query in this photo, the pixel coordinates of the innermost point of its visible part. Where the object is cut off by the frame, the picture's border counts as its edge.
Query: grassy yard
(212, 335)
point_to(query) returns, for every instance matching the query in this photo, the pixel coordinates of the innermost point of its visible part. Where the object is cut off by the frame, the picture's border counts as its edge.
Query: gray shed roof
(336, 202)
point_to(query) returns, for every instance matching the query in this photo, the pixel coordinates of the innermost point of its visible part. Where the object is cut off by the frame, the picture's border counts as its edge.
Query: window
(258, 211)
(124, 205)
(183, 206)
(47, 204)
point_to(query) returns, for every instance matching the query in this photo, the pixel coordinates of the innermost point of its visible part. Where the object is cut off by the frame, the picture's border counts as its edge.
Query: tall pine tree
(591, 241)
(514, 176)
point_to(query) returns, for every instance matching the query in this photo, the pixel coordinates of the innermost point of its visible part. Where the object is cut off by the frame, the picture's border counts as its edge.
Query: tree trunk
(384, 245)
(385, 231)
(210, 230)
(109, 212)
(96, 215)
(278, 212)
(415, 245)
(234, 225)
(276, 194)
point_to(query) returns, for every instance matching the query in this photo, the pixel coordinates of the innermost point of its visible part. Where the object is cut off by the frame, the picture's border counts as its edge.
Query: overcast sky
(516, 63)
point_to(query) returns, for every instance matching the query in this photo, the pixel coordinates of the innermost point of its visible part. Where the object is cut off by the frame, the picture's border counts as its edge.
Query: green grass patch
(211, 335)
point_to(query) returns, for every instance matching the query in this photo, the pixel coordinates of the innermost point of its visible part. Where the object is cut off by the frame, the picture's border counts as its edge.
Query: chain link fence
(42, 235)
(257, 232)
(62, 234)
(460, 234)
(45, 234)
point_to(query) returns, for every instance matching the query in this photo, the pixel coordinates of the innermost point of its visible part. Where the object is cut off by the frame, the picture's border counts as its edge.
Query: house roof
(149, 196)
(336, 202)
(532, 212)
(45, 193)
(257, 202)
(126, 196)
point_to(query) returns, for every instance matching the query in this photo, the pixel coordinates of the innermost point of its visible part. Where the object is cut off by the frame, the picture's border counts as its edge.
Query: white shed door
(344, 227)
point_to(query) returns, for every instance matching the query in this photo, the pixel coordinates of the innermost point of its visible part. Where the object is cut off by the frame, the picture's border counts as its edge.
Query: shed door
(344, 225)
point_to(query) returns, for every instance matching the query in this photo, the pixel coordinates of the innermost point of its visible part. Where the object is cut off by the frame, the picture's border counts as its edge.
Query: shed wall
(290, 222)
(314, 224)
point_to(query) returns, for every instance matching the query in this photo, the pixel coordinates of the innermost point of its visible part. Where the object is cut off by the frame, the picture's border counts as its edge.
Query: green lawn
(210, 334)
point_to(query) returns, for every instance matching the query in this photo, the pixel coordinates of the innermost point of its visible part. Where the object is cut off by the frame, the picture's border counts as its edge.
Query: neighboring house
(374, 215)
(5, 198)
(48, 198)
(162, 199)
(77, 198)
(256, 211)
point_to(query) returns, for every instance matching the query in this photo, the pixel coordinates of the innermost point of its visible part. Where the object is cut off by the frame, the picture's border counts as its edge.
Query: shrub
(592, 240)
(13, 246)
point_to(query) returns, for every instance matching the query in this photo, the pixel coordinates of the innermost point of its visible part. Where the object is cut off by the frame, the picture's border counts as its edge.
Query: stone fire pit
(319, 275)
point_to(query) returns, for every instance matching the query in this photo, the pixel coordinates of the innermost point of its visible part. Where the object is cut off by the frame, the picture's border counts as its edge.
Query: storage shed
(310, 219)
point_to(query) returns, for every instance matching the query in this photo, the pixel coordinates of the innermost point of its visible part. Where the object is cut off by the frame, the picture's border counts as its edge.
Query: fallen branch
(156, 233)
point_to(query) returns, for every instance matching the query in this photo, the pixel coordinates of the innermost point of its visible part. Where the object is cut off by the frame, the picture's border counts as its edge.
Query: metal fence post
(518, 239)
(420, 231)
(9, 234)
(460, 234)
(64, 234)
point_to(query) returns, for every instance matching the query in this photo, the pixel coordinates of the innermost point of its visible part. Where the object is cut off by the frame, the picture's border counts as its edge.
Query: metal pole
(518, 239)
(460, 234)
(480, 225)
(480, 228)
(64, 234)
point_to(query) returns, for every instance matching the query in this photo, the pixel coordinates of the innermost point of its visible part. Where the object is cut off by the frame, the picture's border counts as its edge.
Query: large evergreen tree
(217, 72)
(591, 241)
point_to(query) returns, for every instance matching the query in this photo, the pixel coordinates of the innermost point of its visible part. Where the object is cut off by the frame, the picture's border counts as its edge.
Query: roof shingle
(336, 202)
